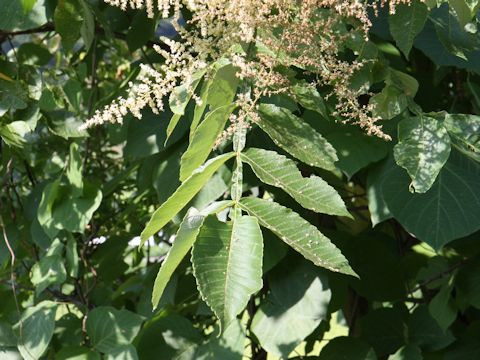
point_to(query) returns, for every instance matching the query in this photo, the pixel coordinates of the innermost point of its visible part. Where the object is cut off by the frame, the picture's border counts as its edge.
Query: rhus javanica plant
(239, 179)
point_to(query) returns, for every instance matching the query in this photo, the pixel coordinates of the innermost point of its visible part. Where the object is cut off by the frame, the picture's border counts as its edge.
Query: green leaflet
(185, 237)
(74, 170)
(396, 96)
(45, 208)
(203, 140)
(224, 85)
(182, 94)
(12, 95)
(407, 22)
(72, 258)
(442, 307)
(377, 207)
(298, 233)
(183, 195)
(172, 124)
(423, 149)
(78, 352)
(13, 134)
(297, 137)
(389, 103)
(200, 108)
(219, 91)
(308, 96)
(312, 193)
(227, 264)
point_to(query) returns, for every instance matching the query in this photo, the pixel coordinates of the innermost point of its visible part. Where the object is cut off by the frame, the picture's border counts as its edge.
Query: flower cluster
(307, 34)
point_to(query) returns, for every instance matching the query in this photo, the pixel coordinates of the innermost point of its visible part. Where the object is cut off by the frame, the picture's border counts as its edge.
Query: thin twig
(12, 273)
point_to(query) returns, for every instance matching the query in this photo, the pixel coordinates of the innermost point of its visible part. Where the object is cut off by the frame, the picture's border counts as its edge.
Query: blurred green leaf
(407, 23)
(110, 329)
(343, 347)
(68, 22)
(426, 333)
(407, 352)
(464, 131)
(356, 150)
(14, 16)
(35, 329)
(48, 271)
(384, 329)
(141, 30)
(296, 305)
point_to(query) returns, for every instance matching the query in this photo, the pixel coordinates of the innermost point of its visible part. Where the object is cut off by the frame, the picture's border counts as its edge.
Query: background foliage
(405, 213)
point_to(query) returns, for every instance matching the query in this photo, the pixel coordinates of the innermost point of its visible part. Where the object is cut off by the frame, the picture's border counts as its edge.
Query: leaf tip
(347, 270)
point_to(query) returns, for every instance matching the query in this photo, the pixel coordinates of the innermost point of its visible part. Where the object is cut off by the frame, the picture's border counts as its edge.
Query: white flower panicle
(307, 34)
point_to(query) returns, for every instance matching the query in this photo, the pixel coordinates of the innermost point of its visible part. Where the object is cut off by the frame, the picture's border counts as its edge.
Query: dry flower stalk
(306, 34)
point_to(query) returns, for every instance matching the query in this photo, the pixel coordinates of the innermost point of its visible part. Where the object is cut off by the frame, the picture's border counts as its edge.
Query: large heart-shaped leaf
(297, 137)
(423, 149)
(298, 233)
(227, 263)
(448, 211)
(312, 193)
(465, 133)
(183, 195)
(297, 303)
